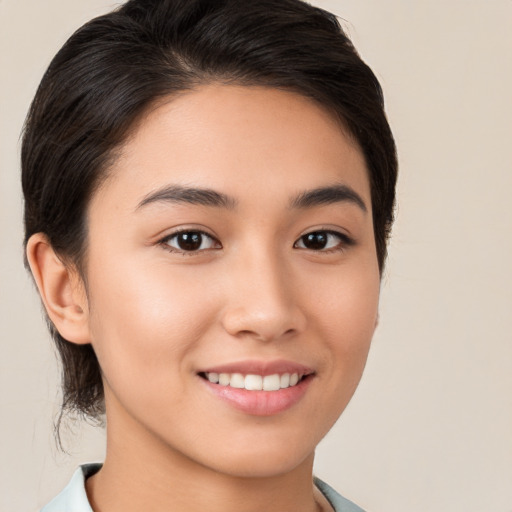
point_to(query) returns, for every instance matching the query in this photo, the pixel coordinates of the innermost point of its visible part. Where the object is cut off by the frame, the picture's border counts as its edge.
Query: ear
(61, 290)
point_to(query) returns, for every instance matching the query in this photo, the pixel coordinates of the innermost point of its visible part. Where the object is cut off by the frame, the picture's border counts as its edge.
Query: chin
(262, 461)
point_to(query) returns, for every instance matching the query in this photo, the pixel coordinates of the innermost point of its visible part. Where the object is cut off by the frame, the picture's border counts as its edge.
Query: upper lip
(260, 368)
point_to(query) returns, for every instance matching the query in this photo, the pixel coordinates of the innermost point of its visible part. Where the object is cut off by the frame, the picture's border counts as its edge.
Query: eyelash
(344, 241)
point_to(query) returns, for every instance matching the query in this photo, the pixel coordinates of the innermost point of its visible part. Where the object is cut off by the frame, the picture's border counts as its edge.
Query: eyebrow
(208, 197)
(328, 195)
(190, 195)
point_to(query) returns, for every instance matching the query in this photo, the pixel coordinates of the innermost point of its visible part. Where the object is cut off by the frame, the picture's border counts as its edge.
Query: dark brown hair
(113, 68)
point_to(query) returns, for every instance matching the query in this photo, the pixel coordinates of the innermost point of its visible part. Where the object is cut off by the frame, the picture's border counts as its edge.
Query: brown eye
(190, 241)
(315, 241)
(322, 241)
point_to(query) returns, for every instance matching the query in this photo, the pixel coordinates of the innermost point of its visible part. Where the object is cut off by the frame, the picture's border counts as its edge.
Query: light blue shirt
(74, 498)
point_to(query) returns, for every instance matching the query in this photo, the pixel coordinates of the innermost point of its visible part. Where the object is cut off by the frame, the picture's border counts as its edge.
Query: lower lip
(261, 403)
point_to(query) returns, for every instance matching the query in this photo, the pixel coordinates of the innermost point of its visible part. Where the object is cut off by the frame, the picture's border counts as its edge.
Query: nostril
(268, 334)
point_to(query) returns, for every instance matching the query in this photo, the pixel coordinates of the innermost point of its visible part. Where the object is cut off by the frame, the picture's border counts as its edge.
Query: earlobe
(61, 290)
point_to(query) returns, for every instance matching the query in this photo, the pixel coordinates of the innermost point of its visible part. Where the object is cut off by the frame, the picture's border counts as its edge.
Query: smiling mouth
(254, 382)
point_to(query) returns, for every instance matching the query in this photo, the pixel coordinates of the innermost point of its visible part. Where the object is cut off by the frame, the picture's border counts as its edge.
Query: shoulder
(73, 497)
(338, 502)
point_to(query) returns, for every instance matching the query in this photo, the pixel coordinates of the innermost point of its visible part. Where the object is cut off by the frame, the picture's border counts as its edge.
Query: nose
(263, 300)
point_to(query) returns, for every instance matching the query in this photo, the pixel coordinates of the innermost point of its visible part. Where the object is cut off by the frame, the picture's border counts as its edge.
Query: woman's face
(232, 242)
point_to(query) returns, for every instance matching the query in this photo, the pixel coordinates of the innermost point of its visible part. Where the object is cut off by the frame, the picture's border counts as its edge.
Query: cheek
(346, 305)
(345, 312)
(142, 316)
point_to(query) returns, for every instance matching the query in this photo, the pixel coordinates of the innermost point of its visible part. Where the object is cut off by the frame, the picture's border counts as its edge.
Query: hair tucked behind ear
(114, 67)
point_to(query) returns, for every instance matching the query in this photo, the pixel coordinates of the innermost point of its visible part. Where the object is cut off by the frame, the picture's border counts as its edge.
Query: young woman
(209, 188)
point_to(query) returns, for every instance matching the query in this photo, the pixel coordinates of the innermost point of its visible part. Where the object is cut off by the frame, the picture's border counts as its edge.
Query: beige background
(430, 428)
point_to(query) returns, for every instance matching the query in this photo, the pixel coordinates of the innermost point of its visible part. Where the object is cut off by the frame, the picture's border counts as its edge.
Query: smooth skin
(159, 309)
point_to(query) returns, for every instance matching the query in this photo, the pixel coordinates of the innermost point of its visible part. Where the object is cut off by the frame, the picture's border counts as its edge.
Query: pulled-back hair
(116, 66)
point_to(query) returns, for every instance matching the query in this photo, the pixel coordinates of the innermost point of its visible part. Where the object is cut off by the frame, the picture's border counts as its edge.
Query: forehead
(236, 138)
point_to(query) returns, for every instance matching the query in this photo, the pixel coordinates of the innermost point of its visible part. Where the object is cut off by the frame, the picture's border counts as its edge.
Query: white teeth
(254, 382)
(224, 379)
(271, 383)
(285, 380)
(237, 381)
(213, 377)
